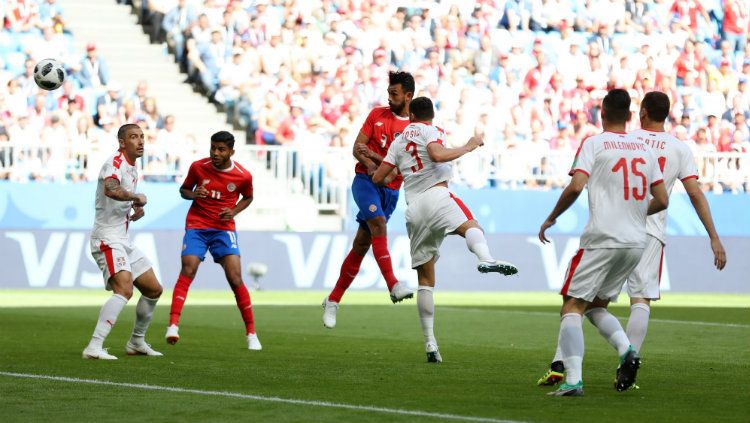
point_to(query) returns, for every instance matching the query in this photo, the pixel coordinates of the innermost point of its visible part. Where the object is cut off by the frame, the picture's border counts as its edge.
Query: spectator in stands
(176, 24)
(209, 59)
(93, 72)
(736, 23)
(69, 95)
(109, 104)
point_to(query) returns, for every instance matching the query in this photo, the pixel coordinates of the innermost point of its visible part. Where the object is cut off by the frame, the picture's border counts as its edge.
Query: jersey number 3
(413, 147)
(623, 164)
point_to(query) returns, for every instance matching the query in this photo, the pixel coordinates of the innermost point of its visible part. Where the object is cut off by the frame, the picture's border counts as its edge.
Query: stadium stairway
(130, 58)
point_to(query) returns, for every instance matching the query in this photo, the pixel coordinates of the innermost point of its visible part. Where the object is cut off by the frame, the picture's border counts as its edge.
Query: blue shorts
(219, 243)
(372, 200)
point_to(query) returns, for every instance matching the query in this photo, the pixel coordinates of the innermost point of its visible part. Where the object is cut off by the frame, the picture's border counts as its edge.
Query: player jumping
(214, 184)
(619, 170)
(676, 161)
(376, 204)
(433, 212)
(122, 264)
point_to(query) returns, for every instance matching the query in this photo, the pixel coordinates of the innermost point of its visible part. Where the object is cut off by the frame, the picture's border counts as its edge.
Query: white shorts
(644, 281)
(599, 272)
(431, 216)
(116, 255)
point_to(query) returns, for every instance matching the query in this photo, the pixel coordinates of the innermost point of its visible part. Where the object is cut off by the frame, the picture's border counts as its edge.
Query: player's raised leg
(122, 290)
(426, 308)
(477, 244)
(151, 290)
(349, 270)
(233, 271)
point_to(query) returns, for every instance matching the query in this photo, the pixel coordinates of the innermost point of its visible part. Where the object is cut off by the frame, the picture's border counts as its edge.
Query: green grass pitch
(696, 362)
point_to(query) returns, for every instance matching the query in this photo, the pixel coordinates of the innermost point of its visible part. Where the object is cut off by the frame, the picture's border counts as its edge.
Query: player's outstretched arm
(567, 198)
(660, 200)
(229, 214)
(362, 153)
(440, 154)
(115, 191)
(700, 204)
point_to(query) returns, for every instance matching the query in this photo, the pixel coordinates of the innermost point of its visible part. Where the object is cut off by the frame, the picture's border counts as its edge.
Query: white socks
(477, 244)
(143, 312)
(638, 324)
(426, 307)
(107, 318)
(610, 328)
(571, 345)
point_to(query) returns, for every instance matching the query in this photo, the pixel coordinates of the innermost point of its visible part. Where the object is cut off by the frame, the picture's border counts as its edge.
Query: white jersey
(676, 161)
(621, 169)
(111, 220)
(408, 152)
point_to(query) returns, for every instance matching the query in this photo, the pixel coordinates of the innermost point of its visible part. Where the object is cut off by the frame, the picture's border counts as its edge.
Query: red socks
(246, 308)
(383, 257)
(178, 299)
(349, 269)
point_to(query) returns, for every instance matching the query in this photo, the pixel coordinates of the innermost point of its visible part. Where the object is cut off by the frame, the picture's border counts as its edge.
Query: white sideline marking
(261, 398)
(549, 313)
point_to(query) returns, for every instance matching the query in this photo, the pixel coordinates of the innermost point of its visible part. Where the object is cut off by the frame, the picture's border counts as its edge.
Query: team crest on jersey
(378, 123)
(373, 208)
(231, 187)
(206, 181)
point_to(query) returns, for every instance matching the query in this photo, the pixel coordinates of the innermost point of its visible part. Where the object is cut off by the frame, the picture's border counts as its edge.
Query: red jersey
(382, 126)
(224, 189)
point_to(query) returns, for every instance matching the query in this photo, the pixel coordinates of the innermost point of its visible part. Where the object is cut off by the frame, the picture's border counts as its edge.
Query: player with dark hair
(676, 161)
(122, 264)
(376, 204)
(433, 212)
(214, 185)
(619, 170)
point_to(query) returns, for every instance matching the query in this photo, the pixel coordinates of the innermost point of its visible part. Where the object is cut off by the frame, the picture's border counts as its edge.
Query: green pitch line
(63, 298)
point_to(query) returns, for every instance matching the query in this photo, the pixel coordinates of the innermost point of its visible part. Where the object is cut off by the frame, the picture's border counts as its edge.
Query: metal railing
(325, 174)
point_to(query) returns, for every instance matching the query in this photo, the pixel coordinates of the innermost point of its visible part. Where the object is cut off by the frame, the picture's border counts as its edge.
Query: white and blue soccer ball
(49, 74)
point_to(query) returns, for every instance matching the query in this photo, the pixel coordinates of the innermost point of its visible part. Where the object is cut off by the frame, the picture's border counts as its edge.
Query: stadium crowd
(528, 75)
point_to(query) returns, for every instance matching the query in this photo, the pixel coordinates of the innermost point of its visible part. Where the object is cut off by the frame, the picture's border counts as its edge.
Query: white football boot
(253, 343)
(497, 266)
(433, 353)
(141, 348)
(329, 313)
(173, 334)
(400, 292)
(97, 353)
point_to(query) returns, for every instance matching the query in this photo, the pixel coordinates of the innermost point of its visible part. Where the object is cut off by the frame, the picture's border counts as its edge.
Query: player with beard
(375, 203)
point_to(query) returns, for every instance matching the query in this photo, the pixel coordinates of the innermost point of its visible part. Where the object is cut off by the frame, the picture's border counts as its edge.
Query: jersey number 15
(622, 164)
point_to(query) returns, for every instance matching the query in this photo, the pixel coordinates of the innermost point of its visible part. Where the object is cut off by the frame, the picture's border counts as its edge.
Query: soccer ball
(49, 74)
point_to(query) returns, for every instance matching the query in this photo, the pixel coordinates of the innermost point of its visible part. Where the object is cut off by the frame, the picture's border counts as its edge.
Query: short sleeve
(367, 127)
(584, 160)
(247, 191)
(191, 179)
(688, 169)
(111, 169)
(435, 134)
(655, 175)
(392, 155)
